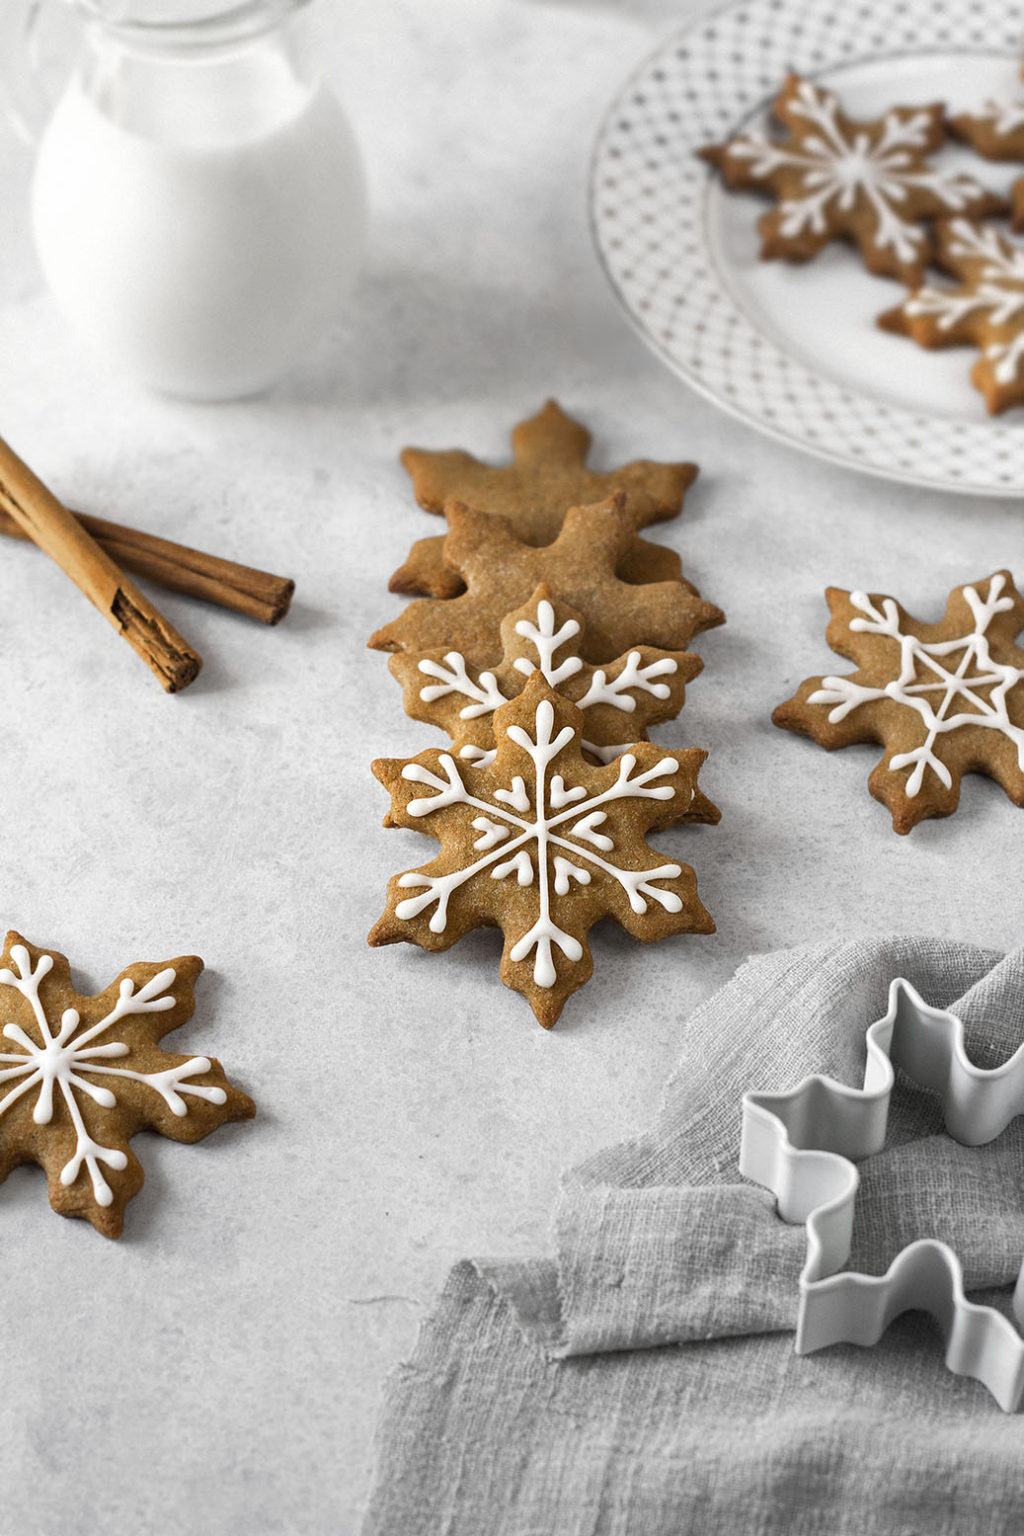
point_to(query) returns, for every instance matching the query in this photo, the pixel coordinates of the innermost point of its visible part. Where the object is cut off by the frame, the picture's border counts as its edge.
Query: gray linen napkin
(537, 1402)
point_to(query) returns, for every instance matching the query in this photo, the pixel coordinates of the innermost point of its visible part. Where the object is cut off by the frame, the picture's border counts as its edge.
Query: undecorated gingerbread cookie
(943, 699)
(547, 476)
(985, 309)
(542, 844)
(501, 572)
(80, 1076)
(832, 177)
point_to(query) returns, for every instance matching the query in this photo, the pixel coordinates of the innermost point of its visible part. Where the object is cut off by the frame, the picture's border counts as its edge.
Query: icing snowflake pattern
(545, 834)
(1003, 117)
(835, 169)
(832, 176)
(993, 129)
(81, 1076)
(935, 680)
(546, 638)
(543, 843)
(996, 131)
(992, 300)
(69, 1056)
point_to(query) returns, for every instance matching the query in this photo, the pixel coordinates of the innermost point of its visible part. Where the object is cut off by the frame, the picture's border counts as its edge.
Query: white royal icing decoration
(836, 168)
(998, 295)
(531, 830)
(452, 676)
(484, 695)
(924, 674)
(65, 1054)
(1004, 117)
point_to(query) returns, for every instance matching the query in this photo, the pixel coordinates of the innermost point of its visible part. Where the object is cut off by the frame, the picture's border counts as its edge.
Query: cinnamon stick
(48, 522)
(257, 594)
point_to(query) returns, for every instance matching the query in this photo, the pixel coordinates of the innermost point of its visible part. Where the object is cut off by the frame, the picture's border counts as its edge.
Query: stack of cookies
(547, 637)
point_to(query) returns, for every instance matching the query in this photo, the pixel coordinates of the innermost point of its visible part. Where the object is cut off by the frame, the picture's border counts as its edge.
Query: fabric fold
(659, 1242)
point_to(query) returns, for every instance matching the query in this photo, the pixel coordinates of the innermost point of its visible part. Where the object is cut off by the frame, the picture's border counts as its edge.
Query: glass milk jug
(198, 203)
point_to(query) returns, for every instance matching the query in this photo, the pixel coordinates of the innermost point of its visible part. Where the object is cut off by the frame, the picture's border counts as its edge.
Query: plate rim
(894, 474)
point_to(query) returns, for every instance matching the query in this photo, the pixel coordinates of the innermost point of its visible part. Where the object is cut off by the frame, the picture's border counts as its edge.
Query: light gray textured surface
(226, 1357)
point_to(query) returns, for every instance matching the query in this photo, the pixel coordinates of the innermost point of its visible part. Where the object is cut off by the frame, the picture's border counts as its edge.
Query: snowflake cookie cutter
(802, 1146)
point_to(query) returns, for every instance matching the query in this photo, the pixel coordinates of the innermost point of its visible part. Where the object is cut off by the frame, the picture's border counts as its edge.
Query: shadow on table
(448, 339)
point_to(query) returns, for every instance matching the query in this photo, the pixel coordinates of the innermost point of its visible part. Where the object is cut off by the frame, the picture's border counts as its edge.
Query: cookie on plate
(542, 844)
(943, 699)
(996, 131)
(985, 309)
(832, 177)
(548, 475)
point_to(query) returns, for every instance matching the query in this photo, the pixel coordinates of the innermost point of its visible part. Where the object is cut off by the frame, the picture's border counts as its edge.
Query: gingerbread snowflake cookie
(543, 844)
(943, 699)
(642, 688)
(996, 131)
(985, 309)
(548, 475)
(80, 1076)
(833, 177)
(501, 572)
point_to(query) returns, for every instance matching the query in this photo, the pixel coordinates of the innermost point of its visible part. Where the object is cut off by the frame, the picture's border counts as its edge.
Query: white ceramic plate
(794, 350)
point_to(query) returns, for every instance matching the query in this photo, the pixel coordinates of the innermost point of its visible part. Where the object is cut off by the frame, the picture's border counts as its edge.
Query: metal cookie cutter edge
(801, 1145)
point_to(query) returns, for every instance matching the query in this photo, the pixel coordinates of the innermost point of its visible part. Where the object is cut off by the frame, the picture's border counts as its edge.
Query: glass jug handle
(24, 101)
